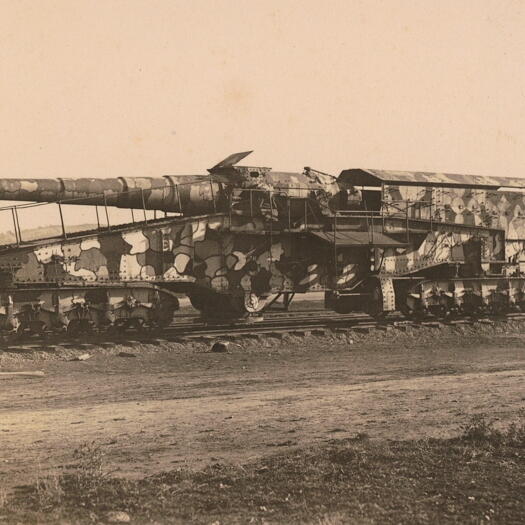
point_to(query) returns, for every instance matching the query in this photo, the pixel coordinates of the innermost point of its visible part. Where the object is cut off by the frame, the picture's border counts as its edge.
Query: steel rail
(187, 332)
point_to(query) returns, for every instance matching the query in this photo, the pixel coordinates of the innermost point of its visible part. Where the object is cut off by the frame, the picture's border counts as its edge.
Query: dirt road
(171, 407)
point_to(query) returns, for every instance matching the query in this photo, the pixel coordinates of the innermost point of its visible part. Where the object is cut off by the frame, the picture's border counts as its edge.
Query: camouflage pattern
(242, 252)
(93, 307)
(464, 222)
(471, 296)
(202, 251)
(362, 177)
(444, 245)
(207, 253)
(188, 195)
(244, 233)
(503, 210)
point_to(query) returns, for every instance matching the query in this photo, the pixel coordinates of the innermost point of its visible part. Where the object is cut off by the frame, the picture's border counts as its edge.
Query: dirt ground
(173, 405)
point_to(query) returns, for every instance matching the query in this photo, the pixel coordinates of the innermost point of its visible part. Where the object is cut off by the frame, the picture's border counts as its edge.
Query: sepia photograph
(262, 262)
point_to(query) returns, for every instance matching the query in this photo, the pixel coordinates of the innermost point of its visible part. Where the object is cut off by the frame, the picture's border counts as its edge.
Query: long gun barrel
(186, 194)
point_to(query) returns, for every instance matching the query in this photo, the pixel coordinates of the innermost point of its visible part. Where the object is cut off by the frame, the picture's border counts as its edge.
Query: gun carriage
(378, 241)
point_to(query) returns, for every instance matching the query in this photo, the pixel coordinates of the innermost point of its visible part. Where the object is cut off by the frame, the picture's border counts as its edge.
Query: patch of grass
(474, 478)
(87, 476)
(3, 497)
(48, 491)
(481, 431)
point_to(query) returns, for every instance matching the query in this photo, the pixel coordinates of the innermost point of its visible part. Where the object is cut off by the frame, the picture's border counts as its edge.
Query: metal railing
(92, 201)
(293, 208)
(277, 205)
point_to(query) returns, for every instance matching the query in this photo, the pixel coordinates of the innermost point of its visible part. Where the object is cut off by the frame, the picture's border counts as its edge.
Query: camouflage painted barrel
(186, 194)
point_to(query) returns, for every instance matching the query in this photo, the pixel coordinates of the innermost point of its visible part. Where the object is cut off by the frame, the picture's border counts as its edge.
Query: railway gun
(425, 244)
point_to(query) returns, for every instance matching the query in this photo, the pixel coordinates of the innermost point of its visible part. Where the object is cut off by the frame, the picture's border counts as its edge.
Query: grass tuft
(474, 478)
(481, 431)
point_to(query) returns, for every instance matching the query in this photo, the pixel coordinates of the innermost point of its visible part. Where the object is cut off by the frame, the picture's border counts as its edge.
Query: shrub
(481, 431)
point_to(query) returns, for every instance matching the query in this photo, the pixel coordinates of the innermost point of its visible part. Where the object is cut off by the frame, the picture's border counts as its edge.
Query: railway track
(190, 328)
(187, 327)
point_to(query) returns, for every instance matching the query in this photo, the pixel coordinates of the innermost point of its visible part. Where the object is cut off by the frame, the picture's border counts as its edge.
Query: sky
(107, 88)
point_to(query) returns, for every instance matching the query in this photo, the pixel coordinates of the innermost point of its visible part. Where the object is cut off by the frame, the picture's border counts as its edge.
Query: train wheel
(164, 312)
(499, 308)
(375, 303)
(412, 314)
(199, 299)
(115, 329)
(32, 327)
(137, 323)
(438, 311)
(254, 303)
(36, 327)
(405, 311)
(342, 307)
(79, 326)
(13, 324)
(73, 327)
(345, 304)
(213, 305)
